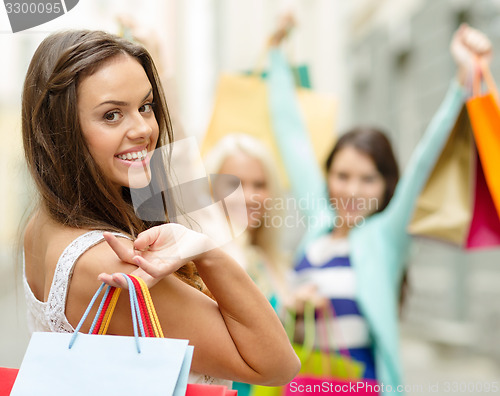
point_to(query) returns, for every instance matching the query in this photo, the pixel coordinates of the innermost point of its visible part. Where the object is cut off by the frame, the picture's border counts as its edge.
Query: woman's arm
(467, 44)
(400, 210)
(236, 337)
(306, 179)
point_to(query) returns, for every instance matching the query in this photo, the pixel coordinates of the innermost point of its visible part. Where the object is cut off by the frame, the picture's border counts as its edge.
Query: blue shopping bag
(86, 364)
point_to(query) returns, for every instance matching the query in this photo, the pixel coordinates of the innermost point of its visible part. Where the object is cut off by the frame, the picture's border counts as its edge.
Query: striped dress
(326, 264)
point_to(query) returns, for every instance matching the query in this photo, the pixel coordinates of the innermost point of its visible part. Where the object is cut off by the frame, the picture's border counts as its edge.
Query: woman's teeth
(135, 156)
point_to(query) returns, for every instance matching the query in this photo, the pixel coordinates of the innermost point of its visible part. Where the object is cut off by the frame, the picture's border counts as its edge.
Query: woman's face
(254, 183)
(115, 108)
(356, 188)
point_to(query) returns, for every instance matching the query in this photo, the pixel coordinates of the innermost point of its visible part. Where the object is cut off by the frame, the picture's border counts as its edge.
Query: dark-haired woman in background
(362, 176)
(357, 260)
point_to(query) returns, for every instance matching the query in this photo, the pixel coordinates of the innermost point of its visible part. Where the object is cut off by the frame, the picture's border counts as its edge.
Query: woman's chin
(253, 224)
(350, 219)
(139, 177)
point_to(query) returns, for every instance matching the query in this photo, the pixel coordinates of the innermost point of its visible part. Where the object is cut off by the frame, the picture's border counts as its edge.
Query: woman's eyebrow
(121, 103)
(146, 96)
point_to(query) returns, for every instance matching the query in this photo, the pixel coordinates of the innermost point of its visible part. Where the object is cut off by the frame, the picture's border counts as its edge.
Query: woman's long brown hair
(72, 188)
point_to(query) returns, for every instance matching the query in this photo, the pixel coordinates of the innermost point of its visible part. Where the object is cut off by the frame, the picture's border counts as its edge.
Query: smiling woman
(59, 155)
(93, 112)
(121, 131)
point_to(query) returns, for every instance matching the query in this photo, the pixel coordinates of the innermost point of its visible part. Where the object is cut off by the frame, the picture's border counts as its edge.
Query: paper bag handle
(105, 312)
(134, 308)
(482, 71)
(146, 306)
(326, 314)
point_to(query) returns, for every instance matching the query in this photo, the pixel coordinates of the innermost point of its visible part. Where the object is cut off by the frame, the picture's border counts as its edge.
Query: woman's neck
(340, 232)
(251, 234)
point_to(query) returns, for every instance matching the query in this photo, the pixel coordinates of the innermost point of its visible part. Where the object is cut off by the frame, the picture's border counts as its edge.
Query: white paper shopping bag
(63, 364)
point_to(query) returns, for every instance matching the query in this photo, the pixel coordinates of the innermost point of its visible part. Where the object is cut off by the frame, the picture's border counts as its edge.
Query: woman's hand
(467, 46)
(306, 294)
(286, 24)
(158, 252)
(240, 337)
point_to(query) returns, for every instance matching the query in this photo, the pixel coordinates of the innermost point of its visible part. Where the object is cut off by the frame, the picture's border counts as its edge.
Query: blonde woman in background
(258, 249)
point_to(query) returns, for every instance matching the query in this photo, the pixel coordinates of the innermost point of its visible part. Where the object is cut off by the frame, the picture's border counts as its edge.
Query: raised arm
(306, 178)
(237, 336)
(466, 44)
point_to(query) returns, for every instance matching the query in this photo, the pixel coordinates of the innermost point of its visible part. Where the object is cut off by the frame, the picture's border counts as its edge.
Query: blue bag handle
(134, 308)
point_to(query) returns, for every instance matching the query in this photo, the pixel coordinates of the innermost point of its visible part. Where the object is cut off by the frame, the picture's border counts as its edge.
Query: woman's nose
(354, 188)
(250, 194)
(139, 128)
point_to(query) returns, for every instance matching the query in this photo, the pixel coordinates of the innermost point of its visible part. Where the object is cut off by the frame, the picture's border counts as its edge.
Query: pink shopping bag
(485, 226)
(209, 390)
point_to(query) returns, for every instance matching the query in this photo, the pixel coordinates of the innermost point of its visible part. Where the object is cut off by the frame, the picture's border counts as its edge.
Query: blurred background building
(386, 61)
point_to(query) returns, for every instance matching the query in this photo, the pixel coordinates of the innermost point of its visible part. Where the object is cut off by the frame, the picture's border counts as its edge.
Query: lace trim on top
(50, 315)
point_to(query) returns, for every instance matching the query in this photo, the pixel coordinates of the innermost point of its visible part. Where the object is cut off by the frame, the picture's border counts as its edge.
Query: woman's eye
(146, 108)
(342, 176)
(112, 116)
(259, 185)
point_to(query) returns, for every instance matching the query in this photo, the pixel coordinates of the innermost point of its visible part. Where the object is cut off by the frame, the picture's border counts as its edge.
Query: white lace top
(50, 315)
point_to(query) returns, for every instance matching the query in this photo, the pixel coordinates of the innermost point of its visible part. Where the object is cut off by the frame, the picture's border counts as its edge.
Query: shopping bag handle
(134, 308)
(105, 312)
(482, 71)
(146, 307)
(309, 326)
(328, 315)
(325, 342)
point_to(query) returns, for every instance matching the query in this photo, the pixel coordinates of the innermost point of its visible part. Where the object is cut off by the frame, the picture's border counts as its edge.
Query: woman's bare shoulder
(43, 243)
(95, 260)
(44, 234)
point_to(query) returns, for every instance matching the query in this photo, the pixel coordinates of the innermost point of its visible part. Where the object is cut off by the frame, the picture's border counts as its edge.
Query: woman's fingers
(147, 238)
(156, 268)
(115, 280)
(477, 41)
(148, 267)
(467, 46)
(152, 268)
(123, 252)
